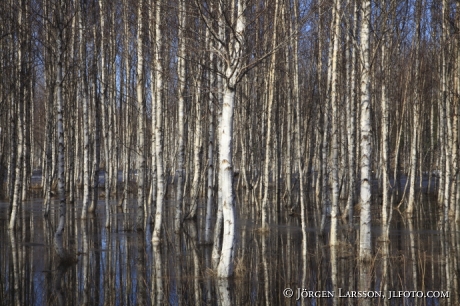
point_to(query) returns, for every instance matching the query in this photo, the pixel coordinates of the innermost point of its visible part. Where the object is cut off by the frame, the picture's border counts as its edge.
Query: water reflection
(119, 266)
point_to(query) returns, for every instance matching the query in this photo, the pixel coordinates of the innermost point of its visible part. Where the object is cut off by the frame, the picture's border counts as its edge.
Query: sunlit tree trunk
(351, 113)
(84, 100)
(386, 209)
(335, 122)
(159, 126)
(446, 104)
(233, 69)
(365, 246)
(218, 227)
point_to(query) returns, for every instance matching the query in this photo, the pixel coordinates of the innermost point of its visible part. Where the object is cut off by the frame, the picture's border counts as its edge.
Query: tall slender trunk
(19, 126)
(140, 122)
(335, 123)
(50, 86)
(156, 236)
(96, 128)
(416, 113)
(197, 150)
(446, 111)
(225, 267)
(365, 247)
(386, 208)
(60, 126)
(180, 150)
(104, 108)
(351, 116)
(126, 109)
(268, 145)
(210, 165)
(297, 136)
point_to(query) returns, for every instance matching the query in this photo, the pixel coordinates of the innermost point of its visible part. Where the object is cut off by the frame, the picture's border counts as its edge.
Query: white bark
(140, 122)
(60, 127)
(335, 124)
(446, 111)
(84, 98)
(298, 151)
(210, 178)
(125, 107)
(386, 208)
(104, 107)
(365, 246)
(159, 127)
(351, 118)
(180, 150)
(232, 71)
(415, 113)
(268, 144)
(225, 267)
(197, 151)
(19, 148)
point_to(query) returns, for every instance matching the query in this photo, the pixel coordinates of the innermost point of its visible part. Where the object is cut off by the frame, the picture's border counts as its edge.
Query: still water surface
(119, 266)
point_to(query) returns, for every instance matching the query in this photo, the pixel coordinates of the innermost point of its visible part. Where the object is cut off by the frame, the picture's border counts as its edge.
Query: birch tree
(335, 122)
(19, 115)
(59, 57)
(180, 150)
(415, 113)
(84, 99)
(365, 247)
(140, 115)
(158, 128)
(269, 109)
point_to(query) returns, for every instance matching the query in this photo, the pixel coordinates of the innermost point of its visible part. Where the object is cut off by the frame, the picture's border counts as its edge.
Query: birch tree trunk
(268, 145)
(232, 71)
(197, 150)
(297, 136)
(84, 98)
(126, 108)
(60, 126)
(156, 236)
(140, 122)
(19, 127)
(180, 150)
(104, 107)
(386, 205)
(365, 246)
(415, 114)
(96, 127)
(210, 165)
(446, 112)
(50, 89)
(351, 116)
(335, 123)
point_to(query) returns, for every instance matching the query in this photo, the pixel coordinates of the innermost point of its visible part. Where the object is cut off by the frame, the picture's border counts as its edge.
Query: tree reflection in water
(120, 266)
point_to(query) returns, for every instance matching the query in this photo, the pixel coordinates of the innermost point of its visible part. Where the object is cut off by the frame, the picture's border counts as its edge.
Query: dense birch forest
(325, 109)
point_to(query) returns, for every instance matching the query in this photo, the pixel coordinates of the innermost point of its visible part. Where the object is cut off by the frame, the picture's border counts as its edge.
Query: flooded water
(119, 266)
